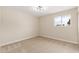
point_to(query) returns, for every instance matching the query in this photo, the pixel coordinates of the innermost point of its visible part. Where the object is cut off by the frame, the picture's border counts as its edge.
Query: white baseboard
(58, 39)
(3, 44)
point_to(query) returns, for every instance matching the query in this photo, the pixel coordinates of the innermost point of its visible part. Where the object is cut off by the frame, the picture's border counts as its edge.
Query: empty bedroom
(39, 29)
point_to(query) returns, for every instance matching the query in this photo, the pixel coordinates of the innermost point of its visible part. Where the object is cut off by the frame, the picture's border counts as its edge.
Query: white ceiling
(50, 9)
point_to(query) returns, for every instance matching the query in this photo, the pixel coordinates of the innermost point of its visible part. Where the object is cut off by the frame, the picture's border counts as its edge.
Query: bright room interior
(39, 29)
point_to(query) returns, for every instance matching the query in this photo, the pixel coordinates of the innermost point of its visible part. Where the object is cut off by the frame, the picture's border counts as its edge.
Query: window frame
(64, 24)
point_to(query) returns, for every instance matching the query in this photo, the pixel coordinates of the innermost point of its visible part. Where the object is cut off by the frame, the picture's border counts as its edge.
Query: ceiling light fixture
(39, 8)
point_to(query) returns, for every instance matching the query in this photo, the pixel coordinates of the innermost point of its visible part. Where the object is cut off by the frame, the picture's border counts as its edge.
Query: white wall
(16, 25)
(68, 33)
(78, 24)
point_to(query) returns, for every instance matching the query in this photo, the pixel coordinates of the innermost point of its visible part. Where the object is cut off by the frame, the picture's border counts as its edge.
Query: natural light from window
(62, 20)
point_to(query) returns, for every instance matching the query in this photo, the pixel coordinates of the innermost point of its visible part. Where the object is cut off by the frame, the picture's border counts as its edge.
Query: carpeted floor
(40, 45)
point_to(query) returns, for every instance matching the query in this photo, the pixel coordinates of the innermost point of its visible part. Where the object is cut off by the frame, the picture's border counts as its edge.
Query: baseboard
(46, 36)
(11, 42)
(29, 37)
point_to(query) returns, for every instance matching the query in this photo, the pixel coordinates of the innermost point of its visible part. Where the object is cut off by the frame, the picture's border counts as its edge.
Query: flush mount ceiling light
(39, 8)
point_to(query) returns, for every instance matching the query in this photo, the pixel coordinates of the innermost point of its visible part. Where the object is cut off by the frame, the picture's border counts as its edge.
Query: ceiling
(49, 10)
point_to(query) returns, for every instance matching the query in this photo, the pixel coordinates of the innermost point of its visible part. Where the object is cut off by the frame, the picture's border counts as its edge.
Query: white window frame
(61, 23)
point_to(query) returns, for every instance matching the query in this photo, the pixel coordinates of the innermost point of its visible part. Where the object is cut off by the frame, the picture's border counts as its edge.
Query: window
(62, 20)
(58, 21)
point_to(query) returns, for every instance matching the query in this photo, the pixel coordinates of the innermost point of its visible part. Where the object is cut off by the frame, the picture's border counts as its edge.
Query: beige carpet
(40, 45)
